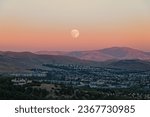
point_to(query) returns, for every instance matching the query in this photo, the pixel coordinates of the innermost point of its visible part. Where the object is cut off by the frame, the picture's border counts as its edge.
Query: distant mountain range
(114, 53)
(23, 61)
(116, 57)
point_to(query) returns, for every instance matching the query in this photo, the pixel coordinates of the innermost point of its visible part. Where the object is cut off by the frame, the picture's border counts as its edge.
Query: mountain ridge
(24, 61)
(113, 53)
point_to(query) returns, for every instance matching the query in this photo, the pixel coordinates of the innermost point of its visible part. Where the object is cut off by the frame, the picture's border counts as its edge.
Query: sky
(33, 25)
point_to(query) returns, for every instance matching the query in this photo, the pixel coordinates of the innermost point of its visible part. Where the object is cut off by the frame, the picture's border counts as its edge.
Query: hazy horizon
(35, 25)
(70, 50)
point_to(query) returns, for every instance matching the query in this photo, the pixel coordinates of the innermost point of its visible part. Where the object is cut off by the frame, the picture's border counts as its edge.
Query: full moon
(75, 33)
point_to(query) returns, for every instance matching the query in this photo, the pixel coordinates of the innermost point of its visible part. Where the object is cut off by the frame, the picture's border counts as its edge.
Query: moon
(75, 33)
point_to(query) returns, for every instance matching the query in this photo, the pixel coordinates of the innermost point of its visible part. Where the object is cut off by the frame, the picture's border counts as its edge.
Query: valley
(66, 77)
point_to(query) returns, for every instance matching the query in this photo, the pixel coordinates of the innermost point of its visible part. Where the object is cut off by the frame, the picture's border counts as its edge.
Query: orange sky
(28, 28)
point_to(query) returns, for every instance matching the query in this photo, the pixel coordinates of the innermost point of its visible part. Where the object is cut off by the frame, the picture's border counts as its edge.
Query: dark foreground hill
(130, 65)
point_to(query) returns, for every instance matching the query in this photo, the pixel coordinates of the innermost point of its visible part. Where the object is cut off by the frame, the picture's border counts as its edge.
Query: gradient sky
(32, 25)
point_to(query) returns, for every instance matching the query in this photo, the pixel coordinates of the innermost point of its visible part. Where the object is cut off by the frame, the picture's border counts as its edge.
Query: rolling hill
(114, 53)
(116, 57)
(130, 65)
(21, 61)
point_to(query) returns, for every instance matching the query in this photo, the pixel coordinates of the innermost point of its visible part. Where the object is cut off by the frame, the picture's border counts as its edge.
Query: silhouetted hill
(130, 65)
